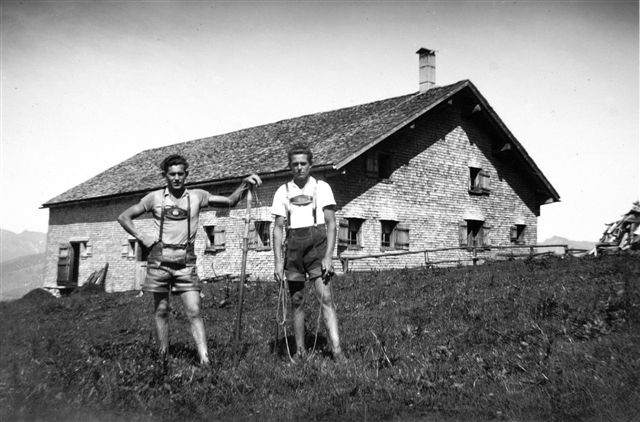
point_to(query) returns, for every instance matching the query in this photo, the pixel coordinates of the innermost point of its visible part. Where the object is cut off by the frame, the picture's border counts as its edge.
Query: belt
(303, 229)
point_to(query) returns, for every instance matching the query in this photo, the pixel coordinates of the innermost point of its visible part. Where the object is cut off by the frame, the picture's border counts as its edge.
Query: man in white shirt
(307, 206)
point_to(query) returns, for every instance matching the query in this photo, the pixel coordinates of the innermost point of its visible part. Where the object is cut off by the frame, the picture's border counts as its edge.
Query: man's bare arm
(233, 199)
(126, 221)
(330, 223)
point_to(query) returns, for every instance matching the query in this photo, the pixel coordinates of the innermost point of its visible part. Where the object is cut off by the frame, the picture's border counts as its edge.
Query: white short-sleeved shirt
(302, 215)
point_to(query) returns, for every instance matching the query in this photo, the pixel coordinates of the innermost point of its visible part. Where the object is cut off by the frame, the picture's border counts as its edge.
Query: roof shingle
(332, 136)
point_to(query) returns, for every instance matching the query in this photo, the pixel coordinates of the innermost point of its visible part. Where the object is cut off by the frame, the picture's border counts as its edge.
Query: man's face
(300, 167)
(176, 175)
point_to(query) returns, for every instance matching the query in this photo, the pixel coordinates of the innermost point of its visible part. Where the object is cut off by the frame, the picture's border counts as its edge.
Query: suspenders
(313, 210)
(188, 220)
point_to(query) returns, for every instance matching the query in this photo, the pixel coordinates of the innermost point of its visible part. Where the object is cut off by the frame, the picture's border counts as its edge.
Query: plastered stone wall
(427, 190)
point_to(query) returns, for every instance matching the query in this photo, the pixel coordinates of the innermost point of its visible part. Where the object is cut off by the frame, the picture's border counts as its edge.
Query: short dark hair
(300, 149)
(173, 160)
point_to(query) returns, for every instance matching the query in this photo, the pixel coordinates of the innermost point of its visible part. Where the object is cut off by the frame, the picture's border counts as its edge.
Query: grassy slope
(530, 340)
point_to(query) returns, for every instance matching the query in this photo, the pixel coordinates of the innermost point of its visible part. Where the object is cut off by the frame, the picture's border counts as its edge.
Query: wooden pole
(243, 273)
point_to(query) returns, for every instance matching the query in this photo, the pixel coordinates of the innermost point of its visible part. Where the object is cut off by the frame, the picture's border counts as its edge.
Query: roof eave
(523, 153)
(214, 182)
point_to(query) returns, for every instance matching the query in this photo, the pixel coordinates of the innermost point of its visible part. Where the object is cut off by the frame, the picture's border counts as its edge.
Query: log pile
(622, 234)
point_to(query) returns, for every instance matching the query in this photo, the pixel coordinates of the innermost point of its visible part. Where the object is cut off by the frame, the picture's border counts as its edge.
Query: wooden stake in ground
(243, 272)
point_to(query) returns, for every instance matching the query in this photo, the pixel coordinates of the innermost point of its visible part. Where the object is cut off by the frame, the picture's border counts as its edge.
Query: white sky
(86, 85)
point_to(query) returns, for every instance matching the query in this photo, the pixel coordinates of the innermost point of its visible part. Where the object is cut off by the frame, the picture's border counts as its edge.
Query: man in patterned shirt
(171, 265)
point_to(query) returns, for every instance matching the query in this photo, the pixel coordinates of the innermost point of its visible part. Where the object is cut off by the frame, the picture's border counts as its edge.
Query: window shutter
(253, 241)
(462, 232)
(485, 181)
(343, 232)
(64, 263)
(402, 237)
(125, 248)
(513, 233)
(486, 235)
(219, 238)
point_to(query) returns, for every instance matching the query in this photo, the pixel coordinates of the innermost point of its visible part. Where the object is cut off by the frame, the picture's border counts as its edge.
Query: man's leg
(191, 301)
(161, 311)
(297, 303)
(323, 292)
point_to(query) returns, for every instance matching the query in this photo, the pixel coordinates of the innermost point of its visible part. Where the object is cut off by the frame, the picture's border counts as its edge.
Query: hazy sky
(86, 85)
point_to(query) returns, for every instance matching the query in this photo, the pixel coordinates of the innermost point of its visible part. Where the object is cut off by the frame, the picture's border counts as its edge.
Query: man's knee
(161, 302)
(297, 298)
(324, 294)
(192, 311)
(162, 310)
(191, 302)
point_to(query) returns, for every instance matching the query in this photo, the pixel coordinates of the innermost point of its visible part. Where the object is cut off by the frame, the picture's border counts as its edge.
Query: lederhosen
(305, 246)
(163, 254)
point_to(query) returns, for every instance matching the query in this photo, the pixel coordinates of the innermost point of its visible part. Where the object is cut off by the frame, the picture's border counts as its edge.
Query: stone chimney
(427, 68)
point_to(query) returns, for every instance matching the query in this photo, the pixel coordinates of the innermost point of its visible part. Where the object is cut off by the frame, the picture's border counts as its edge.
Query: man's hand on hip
(147, 241)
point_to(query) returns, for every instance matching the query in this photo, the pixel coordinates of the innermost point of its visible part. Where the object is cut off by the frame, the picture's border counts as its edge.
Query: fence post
(475, 255)
(530, 251)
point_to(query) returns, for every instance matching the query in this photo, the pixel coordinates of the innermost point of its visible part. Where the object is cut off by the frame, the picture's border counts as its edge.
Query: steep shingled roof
(334, 136)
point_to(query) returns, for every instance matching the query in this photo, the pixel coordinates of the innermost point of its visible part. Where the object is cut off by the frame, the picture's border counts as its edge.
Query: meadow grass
(553, 339)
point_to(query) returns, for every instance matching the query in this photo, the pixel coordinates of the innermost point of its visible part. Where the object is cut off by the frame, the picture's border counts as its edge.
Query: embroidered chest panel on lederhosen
(302, 201)
(175, 213)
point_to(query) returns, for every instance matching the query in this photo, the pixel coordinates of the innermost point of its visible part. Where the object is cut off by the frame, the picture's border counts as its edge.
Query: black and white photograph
(320, 210)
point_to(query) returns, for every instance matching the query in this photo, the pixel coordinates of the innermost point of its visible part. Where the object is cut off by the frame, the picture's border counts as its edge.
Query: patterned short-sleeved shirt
(174, 232)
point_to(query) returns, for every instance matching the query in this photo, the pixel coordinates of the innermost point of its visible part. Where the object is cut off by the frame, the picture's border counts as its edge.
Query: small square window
(393, 235)
(350, 233)
(474, 234)
(479, 181)
(260, 236)
(131, 249)
(216, 238)
(378, 164)
(517, 233)
(387, 233)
